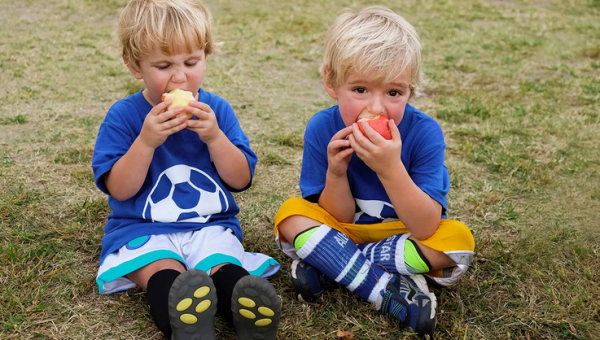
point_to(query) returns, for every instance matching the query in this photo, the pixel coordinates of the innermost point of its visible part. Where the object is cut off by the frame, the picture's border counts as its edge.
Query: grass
(514, 85)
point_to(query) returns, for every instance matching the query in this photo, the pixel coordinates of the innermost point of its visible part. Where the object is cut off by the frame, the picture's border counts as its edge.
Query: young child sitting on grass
(379, 223)
(169, 180)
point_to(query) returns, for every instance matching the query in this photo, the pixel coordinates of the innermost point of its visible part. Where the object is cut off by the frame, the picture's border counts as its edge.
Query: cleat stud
(266, 311)
(265, 300)
(201, 292)
(251, 292)
(184, 304)
(246, 302)
(263, 322)
(202, 306)
(181, 292)
(196, 281)
(188, 319)
(247, 314)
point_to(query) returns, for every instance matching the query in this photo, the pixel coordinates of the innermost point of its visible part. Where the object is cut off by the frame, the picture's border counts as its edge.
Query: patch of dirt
(502, 3)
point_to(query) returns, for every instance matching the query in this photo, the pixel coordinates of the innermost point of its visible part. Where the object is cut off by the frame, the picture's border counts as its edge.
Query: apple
(180, 98)
(379, 123)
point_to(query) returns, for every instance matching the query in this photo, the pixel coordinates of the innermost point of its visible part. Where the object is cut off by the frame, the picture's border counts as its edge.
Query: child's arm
(128, 174)
(420, 213)
(231, 163)
(416, 209)
(336, 198)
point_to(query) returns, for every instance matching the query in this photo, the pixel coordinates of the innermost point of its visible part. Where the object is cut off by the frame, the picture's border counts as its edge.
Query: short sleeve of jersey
(115, 136)
(314, 157)
(230, 125)
(427, 169)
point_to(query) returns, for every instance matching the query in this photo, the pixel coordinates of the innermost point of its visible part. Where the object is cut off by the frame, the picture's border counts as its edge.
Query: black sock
(225, 279)
(158, 288)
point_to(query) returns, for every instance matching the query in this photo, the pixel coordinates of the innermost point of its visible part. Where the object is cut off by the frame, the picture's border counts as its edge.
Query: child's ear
(328, 87)
(133, 68)
(411, 88)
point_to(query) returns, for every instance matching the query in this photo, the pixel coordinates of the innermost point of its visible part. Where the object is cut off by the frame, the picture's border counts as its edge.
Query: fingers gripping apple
(180, 98)
(379, 123)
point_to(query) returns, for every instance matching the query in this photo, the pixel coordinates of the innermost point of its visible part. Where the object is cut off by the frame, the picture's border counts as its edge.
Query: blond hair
(374, 41)
(170, 25)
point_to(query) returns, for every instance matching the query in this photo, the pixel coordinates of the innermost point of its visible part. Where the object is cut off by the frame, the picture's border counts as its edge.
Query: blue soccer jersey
(182, 190)
(422, 155)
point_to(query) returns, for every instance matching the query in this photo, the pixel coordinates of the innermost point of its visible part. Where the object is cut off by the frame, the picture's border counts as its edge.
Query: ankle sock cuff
(414, 258)
(303, 236)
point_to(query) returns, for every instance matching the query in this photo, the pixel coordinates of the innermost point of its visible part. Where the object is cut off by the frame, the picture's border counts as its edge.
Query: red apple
(379, 123)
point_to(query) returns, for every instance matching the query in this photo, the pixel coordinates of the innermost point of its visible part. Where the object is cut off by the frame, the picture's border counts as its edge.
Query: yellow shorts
(452, 237)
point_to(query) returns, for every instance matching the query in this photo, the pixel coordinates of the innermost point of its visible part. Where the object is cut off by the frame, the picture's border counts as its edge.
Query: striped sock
(397, 254)
(338, 257)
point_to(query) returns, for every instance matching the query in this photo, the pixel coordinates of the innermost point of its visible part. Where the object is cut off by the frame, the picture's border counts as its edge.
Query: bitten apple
(379, 123)
(180, 98)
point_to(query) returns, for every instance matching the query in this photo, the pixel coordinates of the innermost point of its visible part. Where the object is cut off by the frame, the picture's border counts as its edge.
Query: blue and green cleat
(309, 283)
(407, 299)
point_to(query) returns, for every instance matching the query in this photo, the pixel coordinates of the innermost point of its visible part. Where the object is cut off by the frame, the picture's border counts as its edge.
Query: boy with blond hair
(372, 216)
(173, 230)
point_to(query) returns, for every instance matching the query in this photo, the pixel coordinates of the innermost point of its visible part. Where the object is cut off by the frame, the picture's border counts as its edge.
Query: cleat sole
(256, 309)
(192, 306)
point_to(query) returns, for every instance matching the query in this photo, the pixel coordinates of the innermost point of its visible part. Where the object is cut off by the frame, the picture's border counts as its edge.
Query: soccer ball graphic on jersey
(373, 211)
(184, 194)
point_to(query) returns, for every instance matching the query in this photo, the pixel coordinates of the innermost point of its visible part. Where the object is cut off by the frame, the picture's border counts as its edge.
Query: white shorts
(201, 249)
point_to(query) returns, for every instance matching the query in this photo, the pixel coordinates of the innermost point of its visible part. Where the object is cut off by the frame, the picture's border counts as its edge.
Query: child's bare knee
(295, 224)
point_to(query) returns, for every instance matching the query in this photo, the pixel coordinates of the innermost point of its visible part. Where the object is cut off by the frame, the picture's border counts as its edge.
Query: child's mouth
(366, 115)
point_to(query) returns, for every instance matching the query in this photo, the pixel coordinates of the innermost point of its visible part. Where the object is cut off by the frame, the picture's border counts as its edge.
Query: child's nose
(376, 105)
(179, 76)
